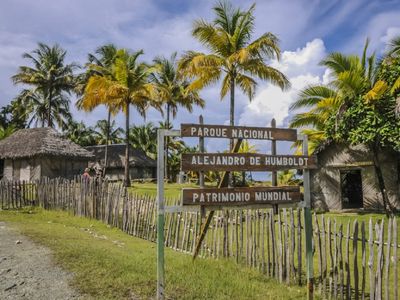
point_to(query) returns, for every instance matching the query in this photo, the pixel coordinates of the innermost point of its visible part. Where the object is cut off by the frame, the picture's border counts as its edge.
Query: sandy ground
(27, 271)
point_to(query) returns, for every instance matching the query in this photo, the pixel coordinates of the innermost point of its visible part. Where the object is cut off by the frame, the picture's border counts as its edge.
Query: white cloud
(302, 68)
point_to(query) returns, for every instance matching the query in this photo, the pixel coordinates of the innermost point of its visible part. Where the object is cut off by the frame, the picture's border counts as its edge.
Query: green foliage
(51, 80)
(80, 134)
(234, 57)
(107, 132)
(363, 124)
(144, 137)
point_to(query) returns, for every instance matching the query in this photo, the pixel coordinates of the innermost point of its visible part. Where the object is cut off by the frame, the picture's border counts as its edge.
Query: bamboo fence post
(395, 278)
(387, 259)
(363, 259)
(371, 261)
(355, 262)
(348, 275)
(379, 266)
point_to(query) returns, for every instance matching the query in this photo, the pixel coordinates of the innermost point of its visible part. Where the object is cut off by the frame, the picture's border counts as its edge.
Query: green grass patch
(109, 264)
(171, 190)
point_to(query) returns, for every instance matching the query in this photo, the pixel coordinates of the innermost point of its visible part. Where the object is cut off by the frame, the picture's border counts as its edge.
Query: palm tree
(80, 134)
(288, 177)
(128, 85)
(7, 131)
(351, 77)
(100, 65)
(233, 55)
(49, 77)
(173, 90)
(106, 133)
(144, 137)
(33, 106)
(394, 52)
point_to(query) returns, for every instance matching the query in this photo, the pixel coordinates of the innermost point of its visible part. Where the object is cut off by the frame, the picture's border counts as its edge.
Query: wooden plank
(299, 247)
(245, 162)
(238, 132)
(395, 278)
(318, 233)
(363, 260)
(335, 260)
(379, 266)
(324, 258)
(347, 262)
(241, 196)
(387, 259)
(371, 261)
(355, 261)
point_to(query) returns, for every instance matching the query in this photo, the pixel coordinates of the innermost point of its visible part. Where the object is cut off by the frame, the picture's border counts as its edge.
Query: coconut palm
(144, 137)
(100, 64)
(33, 106)
(234, 56)
(7, 131)
(107, 133)
(80, 134)
(173, 90)
(351, 76)
(128, 85)
(394, 52)
(49, 77)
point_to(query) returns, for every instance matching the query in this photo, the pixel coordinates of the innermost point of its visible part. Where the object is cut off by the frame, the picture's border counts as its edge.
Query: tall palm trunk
(381, 181)
(107, 142)
(49, 121)
(232, 123)
(127, 182)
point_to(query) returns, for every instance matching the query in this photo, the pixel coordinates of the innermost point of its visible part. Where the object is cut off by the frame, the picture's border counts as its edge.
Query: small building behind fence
(140, 165)
(346, 178)
(32, 153)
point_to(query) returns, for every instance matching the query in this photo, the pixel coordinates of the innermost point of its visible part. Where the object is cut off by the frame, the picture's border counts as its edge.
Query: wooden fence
(354, 259)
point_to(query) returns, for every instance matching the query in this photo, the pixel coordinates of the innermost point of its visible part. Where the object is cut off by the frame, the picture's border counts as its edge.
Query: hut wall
(62, 167)
(115, 174)
(8, 169)
(325, 181)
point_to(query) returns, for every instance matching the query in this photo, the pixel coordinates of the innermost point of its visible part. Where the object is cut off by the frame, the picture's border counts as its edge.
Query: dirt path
(27, 272)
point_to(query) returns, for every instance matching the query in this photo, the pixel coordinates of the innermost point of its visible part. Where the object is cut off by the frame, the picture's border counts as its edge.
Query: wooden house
(140, 165)
(346, 178)
(32, 153)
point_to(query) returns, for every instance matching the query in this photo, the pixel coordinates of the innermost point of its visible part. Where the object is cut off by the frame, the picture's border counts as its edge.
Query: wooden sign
(241, 196)
(245, 162)
(238, 132)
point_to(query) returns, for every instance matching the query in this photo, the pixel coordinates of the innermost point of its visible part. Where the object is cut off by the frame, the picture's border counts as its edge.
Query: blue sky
(308, 30)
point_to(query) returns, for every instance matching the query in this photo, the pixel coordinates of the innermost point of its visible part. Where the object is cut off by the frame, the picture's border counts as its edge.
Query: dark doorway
(351, 188)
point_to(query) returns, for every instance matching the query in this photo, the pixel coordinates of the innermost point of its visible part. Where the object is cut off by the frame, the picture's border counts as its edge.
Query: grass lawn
(171, 190)
(109, 264)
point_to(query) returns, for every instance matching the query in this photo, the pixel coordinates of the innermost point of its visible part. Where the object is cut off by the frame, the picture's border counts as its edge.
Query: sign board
(238, 132)
(241, 196)
(245, 162)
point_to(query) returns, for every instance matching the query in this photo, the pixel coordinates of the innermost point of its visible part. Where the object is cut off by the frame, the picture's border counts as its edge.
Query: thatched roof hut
(140, 165)
(32, 153)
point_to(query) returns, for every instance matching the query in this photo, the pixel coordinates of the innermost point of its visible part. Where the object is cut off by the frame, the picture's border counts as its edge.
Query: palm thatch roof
(32, 142)
(116, 156)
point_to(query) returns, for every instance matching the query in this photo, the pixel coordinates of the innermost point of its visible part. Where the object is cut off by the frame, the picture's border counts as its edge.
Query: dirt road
(27, 270)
